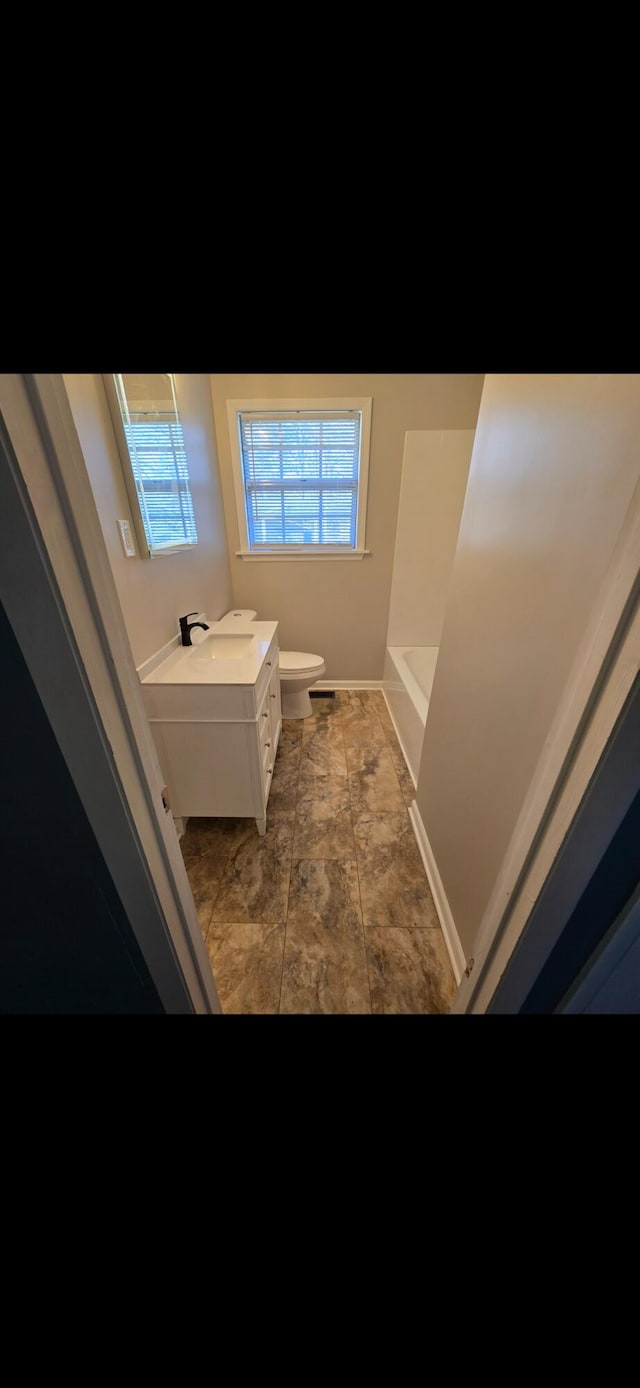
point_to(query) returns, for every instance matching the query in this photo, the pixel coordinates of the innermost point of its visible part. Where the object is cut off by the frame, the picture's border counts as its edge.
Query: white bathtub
(408, 675)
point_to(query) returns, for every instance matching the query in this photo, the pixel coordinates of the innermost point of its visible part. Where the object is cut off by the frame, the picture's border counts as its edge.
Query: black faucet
(186, 627)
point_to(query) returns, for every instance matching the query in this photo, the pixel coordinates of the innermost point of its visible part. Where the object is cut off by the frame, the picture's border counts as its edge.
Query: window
(152, 451)
(300, 471)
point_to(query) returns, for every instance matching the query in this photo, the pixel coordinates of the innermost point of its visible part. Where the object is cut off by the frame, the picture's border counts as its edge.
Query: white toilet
(298, 670)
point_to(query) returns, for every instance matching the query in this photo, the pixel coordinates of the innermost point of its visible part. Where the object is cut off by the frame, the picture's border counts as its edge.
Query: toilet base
(296, 704)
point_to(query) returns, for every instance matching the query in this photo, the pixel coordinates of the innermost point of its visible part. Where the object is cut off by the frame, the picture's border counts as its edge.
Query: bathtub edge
(408, 706)
(400, 738)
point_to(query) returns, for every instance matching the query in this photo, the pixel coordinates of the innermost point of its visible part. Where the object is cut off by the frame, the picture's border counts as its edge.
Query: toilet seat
(297, 665)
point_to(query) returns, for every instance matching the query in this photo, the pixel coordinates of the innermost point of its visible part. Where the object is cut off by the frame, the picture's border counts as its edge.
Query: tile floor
(331, 911)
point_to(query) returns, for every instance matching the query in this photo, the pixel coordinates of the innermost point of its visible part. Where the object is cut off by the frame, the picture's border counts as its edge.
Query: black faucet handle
(186, 627)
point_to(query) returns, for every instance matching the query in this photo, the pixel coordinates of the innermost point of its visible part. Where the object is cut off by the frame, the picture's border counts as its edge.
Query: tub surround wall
(335, 609)
(153, 593)
(435, 469)
(554, 467)
(434, 479)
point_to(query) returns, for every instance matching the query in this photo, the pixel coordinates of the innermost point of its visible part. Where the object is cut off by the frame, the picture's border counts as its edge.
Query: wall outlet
(127, 539)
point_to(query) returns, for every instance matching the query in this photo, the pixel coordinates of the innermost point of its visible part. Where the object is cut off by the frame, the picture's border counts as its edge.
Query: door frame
(609, 983)
(597, 689)
(573, 910)
(59, 593)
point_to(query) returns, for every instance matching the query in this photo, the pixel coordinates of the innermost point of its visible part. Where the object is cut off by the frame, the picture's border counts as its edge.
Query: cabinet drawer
(275, 708)
(265, 733)
(264, 714)
(266, 673)
(273, 694)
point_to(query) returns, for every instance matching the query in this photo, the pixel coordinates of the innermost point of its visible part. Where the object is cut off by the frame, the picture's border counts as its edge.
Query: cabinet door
(275, 707)
(211, 768)
(265, 744)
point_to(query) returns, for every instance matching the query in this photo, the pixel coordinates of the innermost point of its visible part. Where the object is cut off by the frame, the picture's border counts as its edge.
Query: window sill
(170, 549)
(283, 556)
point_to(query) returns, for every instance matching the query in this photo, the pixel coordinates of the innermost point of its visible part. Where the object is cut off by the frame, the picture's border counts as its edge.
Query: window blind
(300, 474)
(159, 465)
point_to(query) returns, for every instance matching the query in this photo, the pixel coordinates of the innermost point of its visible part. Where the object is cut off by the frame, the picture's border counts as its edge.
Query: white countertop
(202, 664)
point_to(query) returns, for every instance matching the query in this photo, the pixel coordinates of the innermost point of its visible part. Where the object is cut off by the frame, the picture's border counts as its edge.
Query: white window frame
(301, 552)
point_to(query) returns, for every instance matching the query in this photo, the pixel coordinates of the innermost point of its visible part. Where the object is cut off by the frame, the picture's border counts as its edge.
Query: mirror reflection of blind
(159, 465)
(301, 477)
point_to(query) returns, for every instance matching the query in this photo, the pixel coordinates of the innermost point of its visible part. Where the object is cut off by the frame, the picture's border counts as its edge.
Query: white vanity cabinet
(217, 741)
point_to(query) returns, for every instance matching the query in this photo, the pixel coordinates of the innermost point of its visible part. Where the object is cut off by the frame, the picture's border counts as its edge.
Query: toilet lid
(299, 662)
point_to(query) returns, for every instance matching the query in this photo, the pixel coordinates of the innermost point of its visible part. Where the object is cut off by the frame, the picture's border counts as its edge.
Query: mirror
(150, 439)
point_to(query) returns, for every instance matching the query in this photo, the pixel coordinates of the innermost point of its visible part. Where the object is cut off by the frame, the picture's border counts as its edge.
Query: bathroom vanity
(215, 715)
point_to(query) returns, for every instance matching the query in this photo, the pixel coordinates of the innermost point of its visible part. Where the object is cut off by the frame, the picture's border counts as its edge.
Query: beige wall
(555, 462)
(154, 593)
(339, 610)
(434, 479)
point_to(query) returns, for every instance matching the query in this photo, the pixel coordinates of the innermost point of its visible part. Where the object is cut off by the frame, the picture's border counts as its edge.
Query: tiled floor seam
(389, 735)
(355, 851)
(384, 734)
(364, 933)
(218, 889)
(286, 909)
(389, 745)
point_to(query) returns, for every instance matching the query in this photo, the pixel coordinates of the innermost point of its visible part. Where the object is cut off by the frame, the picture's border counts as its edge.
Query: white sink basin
(225, 646)
(224, 657)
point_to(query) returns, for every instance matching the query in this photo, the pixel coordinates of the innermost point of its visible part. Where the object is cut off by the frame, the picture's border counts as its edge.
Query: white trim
(363, 403)
(285, 557)
(602, 674)
(445, 914)
(348, 684)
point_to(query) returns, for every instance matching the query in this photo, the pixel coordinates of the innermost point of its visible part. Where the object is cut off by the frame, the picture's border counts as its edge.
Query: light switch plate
(127, 539)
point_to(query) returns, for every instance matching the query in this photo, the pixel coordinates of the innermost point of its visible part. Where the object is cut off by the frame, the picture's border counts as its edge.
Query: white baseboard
(451, 937)
(349, 684)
